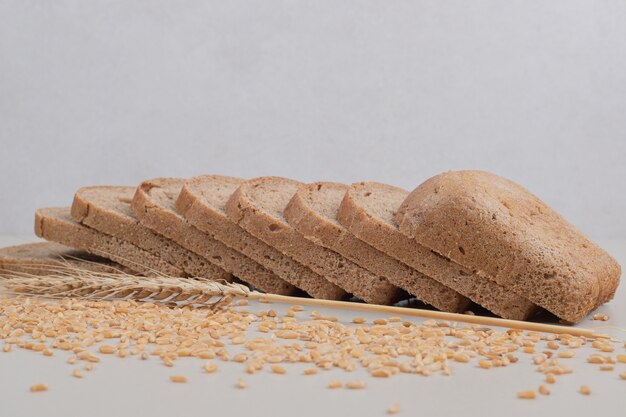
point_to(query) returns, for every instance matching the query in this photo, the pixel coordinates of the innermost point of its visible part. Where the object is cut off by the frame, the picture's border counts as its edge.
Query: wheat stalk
(70, 281)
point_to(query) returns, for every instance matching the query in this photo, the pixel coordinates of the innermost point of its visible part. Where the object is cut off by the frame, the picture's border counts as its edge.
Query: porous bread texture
(202, 202)
(49, 258)
(258, 206)
(501, 231)
(367, 210)
(107, 209)
(154, 205)
(56, 224)
(312, 211)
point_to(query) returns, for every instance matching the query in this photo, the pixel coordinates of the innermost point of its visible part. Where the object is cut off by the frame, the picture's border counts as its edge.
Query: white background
(113, 92)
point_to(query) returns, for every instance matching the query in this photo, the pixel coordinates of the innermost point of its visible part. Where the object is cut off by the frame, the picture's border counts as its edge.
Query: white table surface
(130, 387)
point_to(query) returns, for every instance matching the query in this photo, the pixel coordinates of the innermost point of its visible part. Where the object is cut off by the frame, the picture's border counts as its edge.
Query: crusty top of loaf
(501, 230)
(215, 191)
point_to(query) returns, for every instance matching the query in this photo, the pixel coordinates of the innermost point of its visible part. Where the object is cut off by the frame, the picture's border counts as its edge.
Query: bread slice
(500, 230)
(202, 202)
(49, 258)
(312, 211)
(107, 210)
(258, 206)
(367, 211)
(154, 204)
(56, 224)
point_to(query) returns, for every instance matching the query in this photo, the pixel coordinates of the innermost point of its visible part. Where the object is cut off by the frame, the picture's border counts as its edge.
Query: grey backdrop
(112, 92)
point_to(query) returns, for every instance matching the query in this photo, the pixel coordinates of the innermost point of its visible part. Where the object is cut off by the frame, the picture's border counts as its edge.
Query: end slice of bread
(56, 224)
(367, 210)
(312, 211)
(258, 206)
(107, 209)
(202, 201)
(500, 230)
(49, 258)
(154, 204)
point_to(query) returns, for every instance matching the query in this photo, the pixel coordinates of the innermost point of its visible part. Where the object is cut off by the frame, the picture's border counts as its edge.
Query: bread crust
(48, 258)
(499, 229)
(107, 209)
(258, 206)
(202, 202)
(312, 211)
(56, 224)
(154, 205)
(367, 211)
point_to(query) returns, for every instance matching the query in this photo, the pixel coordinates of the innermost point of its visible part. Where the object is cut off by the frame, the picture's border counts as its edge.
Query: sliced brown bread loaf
(312, 211)
(367, 211)
(154, 204)
(56, 224)
(49, 258)
(258, 206)
(202, 201)
(500, 230)
(107, 209)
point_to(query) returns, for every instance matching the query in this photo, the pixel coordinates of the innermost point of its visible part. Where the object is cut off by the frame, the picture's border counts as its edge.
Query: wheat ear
(85, 284)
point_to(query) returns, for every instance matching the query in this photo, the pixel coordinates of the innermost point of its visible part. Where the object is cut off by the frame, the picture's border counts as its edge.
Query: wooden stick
(437, 315)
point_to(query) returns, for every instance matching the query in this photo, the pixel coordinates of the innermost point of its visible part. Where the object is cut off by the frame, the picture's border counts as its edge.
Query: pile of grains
(384, 347)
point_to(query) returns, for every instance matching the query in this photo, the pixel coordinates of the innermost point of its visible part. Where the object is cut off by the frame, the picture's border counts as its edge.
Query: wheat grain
(355, 384)
(277, 369)
(527, 395)
(38, 388)
(334, 384)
